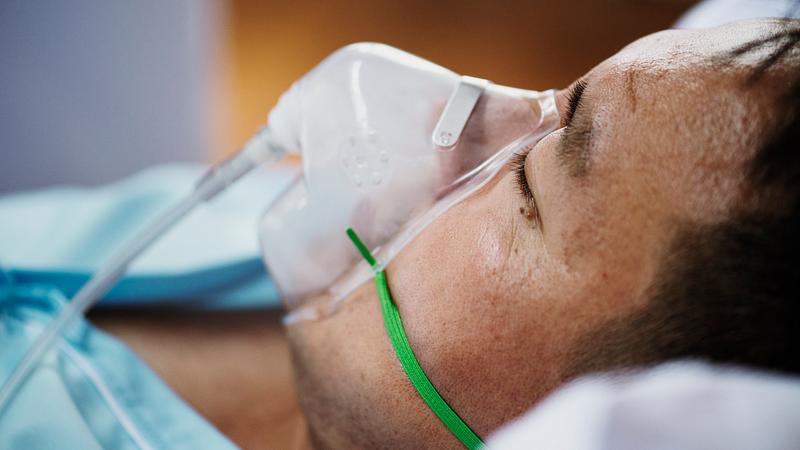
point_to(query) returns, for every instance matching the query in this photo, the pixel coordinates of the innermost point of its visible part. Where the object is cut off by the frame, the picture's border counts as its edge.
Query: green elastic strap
(397, 334)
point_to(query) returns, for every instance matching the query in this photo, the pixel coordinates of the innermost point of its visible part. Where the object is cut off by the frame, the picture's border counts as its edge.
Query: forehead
(686, 48)
(672, 116)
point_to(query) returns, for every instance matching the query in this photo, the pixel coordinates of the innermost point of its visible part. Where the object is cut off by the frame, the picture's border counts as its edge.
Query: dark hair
(727, 292)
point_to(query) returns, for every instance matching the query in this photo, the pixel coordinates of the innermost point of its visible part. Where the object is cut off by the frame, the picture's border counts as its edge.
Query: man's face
(493, 294)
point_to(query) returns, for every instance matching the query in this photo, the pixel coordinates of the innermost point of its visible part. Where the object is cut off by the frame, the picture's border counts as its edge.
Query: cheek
(604, 227)
(474, 292)
(347, 373)
(466, 253)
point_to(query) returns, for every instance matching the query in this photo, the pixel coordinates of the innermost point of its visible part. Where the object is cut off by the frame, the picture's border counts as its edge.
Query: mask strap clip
(457, 111)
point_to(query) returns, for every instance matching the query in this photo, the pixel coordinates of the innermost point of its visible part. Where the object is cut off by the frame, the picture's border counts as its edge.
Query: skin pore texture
(493, 297)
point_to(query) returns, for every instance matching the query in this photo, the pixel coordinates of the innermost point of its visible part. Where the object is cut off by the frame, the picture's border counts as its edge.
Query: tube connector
(258, 150)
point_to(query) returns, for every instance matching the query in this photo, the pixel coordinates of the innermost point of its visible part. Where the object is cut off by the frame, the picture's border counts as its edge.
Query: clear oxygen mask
(388, 142)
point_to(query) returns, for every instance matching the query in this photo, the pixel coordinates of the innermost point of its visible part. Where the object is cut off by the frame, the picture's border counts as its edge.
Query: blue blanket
(211, 260)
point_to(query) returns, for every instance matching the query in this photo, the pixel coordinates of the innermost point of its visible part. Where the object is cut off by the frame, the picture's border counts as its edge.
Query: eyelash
(573, 101)
(517, 165)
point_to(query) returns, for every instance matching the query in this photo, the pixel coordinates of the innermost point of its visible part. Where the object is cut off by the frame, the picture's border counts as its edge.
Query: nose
(499, 118)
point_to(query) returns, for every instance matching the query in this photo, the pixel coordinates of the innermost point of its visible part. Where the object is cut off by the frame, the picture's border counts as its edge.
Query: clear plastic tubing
(256, 151)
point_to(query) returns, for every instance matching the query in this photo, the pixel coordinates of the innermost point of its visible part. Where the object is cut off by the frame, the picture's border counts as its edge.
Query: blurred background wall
(92, 90)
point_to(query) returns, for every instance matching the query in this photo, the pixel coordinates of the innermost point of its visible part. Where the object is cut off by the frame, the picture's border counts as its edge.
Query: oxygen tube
(258, 150)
